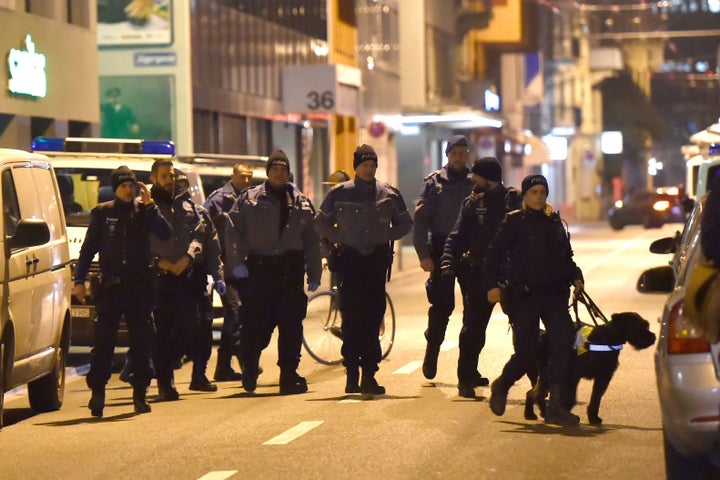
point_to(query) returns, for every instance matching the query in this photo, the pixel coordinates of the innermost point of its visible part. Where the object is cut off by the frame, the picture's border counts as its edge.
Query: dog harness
(582, 345)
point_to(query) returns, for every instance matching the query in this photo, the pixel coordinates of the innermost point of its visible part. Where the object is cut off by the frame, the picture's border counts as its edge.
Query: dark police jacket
(221, 200)
(363, 216)
(480, 216)
(531, 250)
(193, 233)
(120, 232)
(436, 209)
(254, 228)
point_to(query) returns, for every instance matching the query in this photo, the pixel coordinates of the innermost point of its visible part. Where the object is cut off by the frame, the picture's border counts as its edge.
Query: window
(77, 13)
(11, 209)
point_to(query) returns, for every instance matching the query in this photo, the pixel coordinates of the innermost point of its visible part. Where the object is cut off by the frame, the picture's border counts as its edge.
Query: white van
(36, 281)
(83, 167)
(215, 169)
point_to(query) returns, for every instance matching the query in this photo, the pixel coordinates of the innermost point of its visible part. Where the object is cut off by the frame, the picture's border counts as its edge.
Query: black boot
(370, 386)
(479, 380)
(140, 400)
(202, 384)
(167, 391)
(498, 396)
(249, 374)
(555, 412)
(429, 367)
(97, 402)
(223, 369)
(291, 383)
(352, 385)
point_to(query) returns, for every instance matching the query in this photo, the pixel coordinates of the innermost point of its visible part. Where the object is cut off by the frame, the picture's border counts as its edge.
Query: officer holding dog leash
(530, 257)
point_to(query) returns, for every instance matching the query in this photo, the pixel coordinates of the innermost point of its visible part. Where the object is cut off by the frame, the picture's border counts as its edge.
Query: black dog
(596, 358)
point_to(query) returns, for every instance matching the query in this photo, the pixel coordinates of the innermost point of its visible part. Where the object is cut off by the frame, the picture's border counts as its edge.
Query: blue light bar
(714, 149)
(103, 145)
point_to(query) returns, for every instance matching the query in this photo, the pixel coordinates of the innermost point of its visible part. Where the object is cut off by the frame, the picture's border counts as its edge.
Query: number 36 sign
(319, 89)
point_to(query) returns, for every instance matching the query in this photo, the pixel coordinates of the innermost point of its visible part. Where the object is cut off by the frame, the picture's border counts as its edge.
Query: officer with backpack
(480, 215)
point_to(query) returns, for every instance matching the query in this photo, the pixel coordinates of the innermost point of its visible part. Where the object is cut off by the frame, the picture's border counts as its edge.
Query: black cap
(363, 153)
(456, 141)
(532, 180)
(488, 168)
(278, 157)
(121, 175)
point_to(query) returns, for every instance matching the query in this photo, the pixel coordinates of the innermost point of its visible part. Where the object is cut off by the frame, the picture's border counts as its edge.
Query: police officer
(436, 210)
(272, 243)
(184, 262)
(363, 216)
(531, 258)
(218, 202)
(480, 215)
(119, 231)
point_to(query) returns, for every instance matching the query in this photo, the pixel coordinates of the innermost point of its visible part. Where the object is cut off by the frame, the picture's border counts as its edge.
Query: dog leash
(592, 308)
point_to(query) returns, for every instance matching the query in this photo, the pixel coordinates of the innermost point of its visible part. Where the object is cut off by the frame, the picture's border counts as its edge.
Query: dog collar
(603, 348)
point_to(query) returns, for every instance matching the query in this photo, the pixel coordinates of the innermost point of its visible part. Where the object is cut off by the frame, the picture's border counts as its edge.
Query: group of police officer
(270, 239)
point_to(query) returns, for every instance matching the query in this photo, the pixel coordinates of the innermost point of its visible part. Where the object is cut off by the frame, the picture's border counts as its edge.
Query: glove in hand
(312, 286)
(220, 287)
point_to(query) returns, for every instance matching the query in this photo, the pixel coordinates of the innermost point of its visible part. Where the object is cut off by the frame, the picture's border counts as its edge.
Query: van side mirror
(665, 245)
(657, 280)
(29, 232)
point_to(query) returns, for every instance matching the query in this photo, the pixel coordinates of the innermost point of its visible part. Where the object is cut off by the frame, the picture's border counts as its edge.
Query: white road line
(297, 431)
(448, 345)
(409, 368)
(219, 475)
(350, 400)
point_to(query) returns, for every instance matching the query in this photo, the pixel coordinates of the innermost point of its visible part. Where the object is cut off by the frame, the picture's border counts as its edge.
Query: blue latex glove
(220, 287)
(240, 271)
(312, 286)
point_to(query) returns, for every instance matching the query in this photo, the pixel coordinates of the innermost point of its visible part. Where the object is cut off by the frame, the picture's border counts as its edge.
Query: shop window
(78, 13)
(40, 7)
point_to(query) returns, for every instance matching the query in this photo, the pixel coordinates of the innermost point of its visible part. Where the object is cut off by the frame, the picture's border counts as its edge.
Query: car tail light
(682, 336)
(661, 205)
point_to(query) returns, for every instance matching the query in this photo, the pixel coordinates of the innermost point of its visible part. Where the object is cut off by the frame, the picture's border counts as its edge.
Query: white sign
(27, 71)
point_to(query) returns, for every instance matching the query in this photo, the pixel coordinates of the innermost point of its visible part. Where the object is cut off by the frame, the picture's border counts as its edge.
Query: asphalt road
(419, 430)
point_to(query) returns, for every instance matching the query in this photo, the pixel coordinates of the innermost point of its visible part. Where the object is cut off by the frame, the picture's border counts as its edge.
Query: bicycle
(322, 327)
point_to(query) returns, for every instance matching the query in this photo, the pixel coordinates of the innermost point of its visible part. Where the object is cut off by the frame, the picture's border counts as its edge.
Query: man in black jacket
(119, 231)
(480, 215)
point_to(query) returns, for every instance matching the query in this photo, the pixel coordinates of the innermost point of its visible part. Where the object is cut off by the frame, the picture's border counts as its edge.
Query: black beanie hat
(363, 153)
(532, 180)
(277, 157)
(487, 168)
(121, 175)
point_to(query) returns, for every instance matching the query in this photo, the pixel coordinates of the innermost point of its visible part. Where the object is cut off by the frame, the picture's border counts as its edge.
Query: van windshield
(83, 188)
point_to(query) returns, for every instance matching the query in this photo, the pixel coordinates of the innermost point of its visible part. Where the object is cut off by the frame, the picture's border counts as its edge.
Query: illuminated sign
(492, 101)
(27, 71)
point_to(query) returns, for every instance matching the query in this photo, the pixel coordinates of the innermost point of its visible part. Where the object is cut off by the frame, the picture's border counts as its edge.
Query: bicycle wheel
(387, 328)
(322, 335)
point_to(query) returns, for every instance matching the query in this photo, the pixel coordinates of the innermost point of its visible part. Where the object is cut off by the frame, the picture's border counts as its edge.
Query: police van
(36, 281)
(707, 169)
(215, 169)
(83, 167)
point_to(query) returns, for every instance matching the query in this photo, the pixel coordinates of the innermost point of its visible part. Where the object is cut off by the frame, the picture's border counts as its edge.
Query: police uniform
(271, 233)
(436, 211)
(119, 232)
(181, 300)
(531, 257)
(480, 216)
(363, 219)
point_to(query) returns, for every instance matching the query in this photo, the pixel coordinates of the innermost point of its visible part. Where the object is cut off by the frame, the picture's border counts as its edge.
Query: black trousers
(362, 304)
(525, 312)
(476, 316)
(232, 317)
(275, 297)
(134, 301)
(442, 304)
(177, 316)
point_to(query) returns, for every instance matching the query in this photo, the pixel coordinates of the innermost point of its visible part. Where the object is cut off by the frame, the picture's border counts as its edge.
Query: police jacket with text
(193, 232)
(255, 227)
(119, 232)
(363, 215)
(437, 208)
(531, 251)
(480, 216)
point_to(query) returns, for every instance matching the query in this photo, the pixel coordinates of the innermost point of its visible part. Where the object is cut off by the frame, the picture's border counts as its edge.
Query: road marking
(219, 475)
(409, 368)
(297, 431)
(626, 244)
(350, 400)
(449, 345)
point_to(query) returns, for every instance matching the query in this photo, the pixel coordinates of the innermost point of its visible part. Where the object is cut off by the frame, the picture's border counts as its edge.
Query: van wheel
(47, 393)
(2, 381)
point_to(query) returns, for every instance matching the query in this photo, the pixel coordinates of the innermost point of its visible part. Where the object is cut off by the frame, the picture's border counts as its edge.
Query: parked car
(687, 370)
(650, 209)
(35, 291)
(83, 167)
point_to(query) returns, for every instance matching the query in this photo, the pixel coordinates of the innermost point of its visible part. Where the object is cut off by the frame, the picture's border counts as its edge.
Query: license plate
(79, 312)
